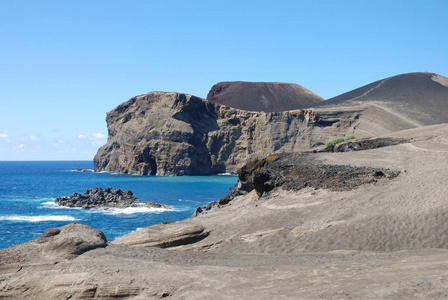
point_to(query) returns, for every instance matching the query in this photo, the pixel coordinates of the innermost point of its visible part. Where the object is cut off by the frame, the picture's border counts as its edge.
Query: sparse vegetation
(350, 137)
(339, 140)
(271, 158)
(158, 126)
(268, 159)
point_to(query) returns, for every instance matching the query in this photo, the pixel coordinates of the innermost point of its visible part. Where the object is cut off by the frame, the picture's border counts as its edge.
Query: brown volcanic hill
(262, 96)
(419, 98)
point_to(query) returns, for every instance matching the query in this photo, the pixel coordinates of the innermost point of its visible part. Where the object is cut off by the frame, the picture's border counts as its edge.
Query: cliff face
(262, 96)
(179, 134)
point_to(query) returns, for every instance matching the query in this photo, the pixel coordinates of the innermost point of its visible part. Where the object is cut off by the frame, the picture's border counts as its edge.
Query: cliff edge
(178, 134)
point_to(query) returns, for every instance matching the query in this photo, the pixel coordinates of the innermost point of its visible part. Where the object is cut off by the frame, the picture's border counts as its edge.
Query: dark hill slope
(422, 98)
(262, 96)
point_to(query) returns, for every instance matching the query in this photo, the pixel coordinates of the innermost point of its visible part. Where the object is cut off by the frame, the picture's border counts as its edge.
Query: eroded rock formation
(179, 134)
(296, 171)
(66, 242)
(163, 236)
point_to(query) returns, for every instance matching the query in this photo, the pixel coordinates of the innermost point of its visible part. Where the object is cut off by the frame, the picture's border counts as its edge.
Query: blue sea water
(28, 189)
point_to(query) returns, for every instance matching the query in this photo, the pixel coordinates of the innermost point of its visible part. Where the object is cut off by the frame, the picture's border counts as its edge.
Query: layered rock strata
(178, 134)
(163, 236)
(63, 243)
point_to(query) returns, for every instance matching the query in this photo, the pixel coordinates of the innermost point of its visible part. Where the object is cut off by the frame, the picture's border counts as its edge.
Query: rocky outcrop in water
(98, 197)
(178, 134)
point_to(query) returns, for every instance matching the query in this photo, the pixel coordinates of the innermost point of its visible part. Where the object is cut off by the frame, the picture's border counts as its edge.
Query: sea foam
(52, 204)
(129, 210)
(37, 218)
(112, 210)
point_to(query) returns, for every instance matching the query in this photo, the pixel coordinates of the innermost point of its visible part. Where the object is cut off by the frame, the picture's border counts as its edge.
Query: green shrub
(350, 137)
(335, 141)
(158, 126)
(340, 140)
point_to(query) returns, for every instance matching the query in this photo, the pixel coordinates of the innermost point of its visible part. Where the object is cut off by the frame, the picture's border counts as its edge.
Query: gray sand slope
(399, 102)
(384, 240)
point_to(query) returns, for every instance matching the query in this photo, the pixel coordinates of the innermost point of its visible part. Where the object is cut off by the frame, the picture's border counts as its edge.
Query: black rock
(108, 197)
(211, 206)
(295, 171)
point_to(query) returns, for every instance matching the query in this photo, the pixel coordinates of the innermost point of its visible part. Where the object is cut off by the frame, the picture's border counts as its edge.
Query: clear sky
(64, 64)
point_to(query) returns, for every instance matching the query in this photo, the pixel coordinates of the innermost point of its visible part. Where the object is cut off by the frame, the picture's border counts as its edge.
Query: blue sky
(64, 64)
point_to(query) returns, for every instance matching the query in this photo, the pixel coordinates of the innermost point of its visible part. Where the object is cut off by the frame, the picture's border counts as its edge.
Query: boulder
(71, 240)
(63, 243)
(164, 235)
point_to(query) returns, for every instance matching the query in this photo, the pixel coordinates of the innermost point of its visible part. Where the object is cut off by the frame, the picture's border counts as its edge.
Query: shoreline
(19, 207)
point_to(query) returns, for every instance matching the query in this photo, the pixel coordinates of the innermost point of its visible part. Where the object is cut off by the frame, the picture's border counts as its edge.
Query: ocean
(28, 189)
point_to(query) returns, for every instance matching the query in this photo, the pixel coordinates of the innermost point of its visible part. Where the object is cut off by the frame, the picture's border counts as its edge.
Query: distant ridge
(420, 96)
(262, 96)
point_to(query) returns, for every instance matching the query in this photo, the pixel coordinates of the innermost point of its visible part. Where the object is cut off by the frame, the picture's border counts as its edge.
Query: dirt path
(395, 114)
(369, 91)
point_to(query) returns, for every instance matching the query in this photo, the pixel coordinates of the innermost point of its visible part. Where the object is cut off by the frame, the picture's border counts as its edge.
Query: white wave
(112, 210)
(51, 204)
(225, 174)
(129, 210)
(37, 218)
(79, 170)
(186, 200)
(25, 199)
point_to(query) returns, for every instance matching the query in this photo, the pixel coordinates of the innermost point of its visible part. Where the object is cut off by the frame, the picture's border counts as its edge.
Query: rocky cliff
(262, 96)
(179, 134)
